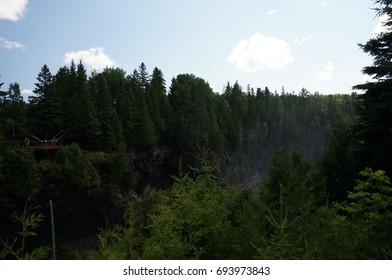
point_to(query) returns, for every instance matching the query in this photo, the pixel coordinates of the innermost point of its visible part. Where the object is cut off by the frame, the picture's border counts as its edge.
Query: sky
(310, 44)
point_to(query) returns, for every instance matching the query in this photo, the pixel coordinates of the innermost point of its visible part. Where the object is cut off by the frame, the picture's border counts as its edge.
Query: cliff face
(152, 166)
(246, 167)
(250, 165)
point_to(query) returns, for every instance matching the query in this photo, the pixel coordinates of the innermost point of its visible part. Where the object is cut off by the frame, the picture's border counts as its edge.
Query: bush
(77, 167)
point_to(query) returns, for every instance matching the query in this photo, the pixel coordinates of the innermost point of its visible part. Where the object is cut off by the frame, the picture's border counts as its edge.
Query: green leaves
(20, 174)
(29, 220)
(194, 121)
(372, 198)
(369, 209)
(190, 221)
(373, 127)
(77, 167)
(145, 134)
(112, 131)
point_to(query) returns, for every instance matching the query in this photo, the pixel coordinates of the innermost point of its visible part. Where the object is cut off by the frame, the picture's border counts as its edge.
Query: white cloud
(326, 73)
(324, 2)
(302, 40)
(13, 10)
(6, 44)
(27, 91)
(93, 57)
(380, 27)
(260, 52)
(272, 12)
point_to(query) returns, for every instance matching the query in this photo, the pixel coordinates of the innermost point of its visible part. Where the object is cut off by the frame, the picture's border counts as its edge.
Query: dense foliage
(146, 172)
(373, 131)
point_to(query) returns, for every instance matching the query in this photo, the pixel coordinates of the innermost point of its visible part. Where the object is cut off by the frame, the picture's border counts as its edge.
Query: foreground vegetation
(204, 216)
(145, 173)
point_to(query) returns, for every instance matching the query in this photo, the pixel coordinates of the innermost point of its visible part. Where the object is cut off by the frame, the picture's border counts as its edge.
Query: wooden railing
(35, 143)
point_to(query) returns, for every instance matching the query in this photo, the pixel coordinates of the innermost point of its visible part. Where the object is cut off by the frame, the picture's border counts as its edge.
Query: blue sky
(295, 44)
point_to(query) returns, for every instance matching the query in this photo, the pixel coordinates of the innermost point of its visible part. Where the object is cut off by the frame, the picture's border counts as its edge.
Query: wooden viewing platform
(34, 145)
(33, 142)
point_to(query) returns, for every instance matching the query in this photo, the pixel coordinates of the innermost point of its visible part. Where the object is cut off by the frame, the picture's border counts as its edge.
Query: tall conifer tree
(46, 112)
(111, 128)
(374, 126)
(85, 123)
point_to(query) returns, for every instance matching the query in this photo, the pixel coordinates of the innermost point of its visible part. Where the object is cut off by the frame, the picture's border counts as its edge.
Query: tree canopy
(150, 170)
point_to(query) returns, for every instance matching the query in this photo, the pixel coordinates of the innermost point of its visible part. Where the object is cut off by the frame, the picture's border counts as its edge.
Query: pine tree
(112, 134)
(145, 135)
(44, 79)
(374, 126)
(369, 208)
(85, 124)
(65, 83)
(180, 100)
(289, 179)
(45, 110)
(335, 164)
(158, 103)
(143, 78)
(123, 100)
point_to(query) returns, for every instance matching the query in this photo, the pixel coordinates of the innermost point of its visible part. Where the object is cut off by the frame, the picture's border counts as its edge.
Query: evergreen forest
(116, 165)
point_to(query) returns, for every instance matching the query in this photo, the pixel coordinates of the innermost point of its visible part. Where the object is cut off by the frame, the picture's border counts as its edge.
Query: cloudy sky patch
(260, 52)
(94, 58)
(13, 10)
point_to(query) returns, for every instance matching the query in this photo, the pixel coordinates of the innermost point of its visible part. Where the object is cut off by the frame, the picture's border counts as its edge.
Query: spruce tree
(44, 80)
(145, 135)
(123, 101)
(85, 124)
(374, 126)
(45, 110)
(111, 136)
(158, 103)
(143, 78)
